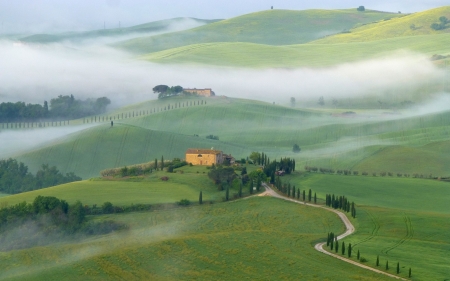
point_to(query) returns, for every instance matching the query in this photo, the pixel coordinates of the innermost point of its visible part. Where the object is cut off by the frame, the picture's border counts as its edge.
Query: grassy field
(238, 240)
(272, 27)
(359, 143)
(401, 220)
(251, 55)
(410, 25)
(151, 27)
(135, 190)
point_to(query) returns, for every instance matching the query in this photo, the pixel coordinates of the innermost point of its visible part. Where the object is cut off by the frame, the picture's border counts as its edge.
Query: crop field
(401, 220)
(251, 55)
(239, 239)
(271, 27)
(410, 25)
(134, 190)
(368, 144)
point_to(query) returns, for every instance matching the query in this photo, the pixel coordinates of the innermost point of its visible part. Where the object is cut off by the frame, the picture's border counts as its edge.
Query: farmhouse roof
(202, 151)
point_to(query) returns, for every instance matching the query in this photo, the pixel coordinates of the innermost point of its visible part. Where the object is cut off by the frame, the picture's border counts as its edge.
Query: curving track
(348, 225)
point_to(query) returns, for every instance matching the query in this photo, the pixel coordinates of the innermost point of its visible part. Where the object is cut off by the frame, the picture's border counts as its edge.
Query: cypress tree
(343, 248)
(315, 198)
(328, 239)
(298, 194)
(349, 251)
(378, 261)
(162, 163)
(387, 265)
(398, 267)
(156, 164)
(200, 198)
(357, 255)
(293, 192)
(309, 195)
(227, 194)
(409, 275)
(304, 195)
(332, 244)
(337, 244)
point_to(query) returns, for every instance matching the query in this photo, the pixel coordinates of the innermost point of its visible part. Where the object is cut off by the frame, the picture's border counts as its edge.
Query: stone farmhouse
(201, 92)
(205, 157)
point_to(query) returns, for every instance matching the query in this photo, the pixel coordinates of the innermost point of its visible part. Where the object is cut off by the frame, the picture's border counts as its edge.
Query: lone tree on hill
(296, 148)
(361, 9)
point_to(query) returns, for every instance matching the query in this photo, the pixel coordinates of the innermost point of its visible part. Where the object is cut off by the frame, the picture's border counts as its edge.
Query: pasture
(401, 220)
(243, 126)
(271, 27)
(235, 240)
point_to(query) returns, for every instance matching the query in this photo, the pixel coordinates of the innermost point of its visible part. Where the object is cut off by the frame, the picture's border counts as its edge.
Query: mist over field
(16, 141)
(34, 73)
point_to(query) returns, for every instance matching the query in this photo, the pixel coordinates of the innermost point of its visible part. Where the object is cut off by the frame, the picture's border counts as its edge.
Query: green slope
(315, 55)
(241, 240)
(410, 25)
(157, 26)
(272, 27)
(399, 220)
(244, 126)
(135, 190)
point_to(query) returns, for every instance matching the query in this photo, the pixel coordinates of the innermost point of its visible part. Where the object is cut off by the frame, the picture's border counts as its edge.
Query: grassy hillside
(137, 190)
(410, 25)
(244, 126)
(151, 27)
(272, 27)
(237, 240)
(401, 220)
(312, 55)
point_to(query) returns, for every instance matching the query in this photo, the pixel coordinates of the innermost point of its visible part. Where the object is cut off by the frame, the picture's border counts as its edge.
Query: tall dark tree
(409, 274)
(200, 198)
(315, 198)
(309, 195)
(378, 261)
(328, 239)
(156, 164)
(398, 267)
(387, 265)
(349, 251)
(162, 163)
(343, 248)
(337, 244)
(357, 255)
(304, 195)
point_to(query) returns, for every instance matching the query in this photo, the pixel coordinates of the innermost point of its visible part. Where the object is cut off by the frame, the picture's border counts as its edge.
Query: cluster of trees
(361, 9)
(442, 24)
(295, 193)
(62, 107)
(221, 175)
(15, 177)
(212, 137)
(164, 91)
(46, 220)
(340, 202)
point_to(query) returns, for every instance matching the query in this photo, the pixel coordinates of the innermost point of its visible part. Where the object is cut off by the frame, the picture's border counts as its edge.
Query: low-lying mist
(35, 73)
(17, 141)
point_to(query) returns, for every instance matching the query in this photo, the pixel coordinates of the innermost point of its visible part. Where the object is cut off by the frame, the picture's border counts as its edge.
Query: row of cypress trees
(340, 202)
(296, 193)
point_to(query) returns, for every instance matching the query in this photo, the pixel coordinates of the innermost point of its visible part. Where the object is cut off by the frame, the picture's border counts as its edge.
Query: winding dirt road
(348, 225)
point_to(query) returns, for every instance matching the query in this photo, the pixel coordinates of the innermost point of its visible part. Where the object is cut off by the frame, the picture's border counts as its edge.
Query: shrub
(363, 259)
(184, 202)
(164, 178)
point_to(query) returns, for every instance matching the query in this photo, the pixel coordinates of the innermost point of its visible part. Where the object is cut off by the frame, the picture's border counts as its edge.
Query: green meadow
(272, 27)
(375, 144)
(399, 220)
(235, 240)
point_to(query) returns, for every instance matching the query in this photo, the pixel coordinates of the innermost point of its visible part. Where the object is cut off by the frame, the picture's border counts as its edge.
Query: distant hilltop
(207, 92)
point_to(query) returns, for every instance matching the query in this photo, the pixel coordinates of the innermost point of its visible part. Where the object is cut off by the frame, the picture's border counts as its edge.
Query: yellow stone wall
(204, 160)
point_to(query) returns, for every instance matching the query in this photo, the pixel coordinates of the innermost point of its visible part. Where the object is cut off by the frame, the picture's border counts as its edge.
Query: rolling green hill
(398, 219)
(310, 55)
(244, 126)
(272, 27)
(157, 26)
(410, 25)
(238, 240)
